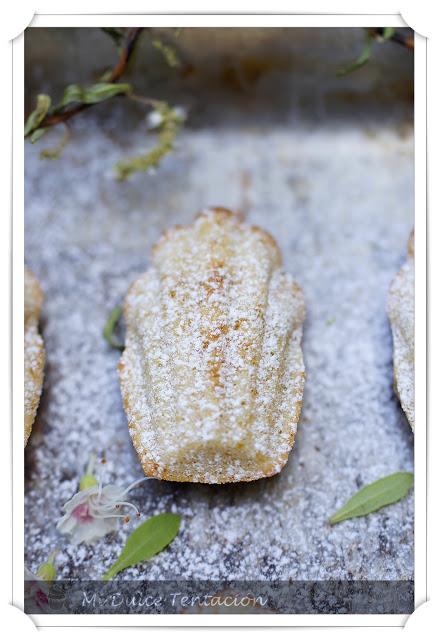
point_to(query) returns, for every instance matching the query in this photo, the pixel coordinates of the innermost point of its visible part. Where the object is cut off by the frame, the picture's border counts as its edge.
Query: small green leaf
(37, 134)
(95, 93)
(388, 33)
(151, 537)
(167, 51)
(110, 327)
(374, 496)
(363, 58)
(38, 115)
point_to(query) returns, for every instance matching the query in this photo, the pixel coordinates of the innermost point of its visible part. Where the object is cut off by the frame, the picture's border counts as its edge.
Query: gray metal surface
(328, 170)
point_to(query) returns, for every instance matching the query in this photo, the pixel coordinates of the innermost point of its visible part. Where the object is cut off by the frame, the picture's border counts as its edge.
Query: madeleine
(401, 314)
(212, 374)
(33, 350)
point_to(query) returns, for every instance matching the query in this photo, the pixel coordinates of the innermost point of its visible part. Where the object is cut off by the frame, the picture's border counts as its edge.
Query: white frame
(222, 20)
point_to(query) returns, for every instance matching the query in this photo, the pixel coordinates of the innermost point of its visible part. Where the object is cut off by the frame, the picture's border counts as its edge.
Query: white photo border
(222, 20)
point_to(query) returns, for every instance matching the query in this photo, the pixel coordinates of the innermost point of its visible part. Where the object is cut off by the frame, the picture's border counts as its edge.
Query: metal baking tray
(325, 163)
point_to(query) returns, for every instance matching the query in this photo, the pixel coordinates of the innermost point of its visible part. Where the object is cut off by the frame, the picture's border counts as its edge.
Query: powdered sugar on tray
(339, 203)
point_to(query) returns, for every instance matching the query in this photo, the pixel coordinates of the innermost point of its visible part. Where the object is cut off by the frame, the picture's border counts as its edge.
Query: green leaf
(93, 94)
(151, 537)
(388, 33)
(38, 115)
(110, 327)
(374, 496)
(363, 58)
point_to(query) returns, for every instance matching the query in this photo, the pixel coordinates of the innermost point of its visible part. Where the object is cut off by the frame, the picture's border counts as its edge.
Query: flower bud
(88, 480)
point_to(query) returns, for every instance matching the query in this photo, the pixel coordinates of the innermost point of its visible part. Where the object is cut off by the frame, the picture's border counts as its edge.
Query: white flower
(95, 510)
(154, 119)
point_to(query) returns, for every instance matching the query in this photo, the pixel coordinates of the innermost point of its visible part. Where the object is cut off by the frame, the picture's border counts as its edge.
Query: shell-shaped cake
(212, 375)
(33, 350)
(401, 314)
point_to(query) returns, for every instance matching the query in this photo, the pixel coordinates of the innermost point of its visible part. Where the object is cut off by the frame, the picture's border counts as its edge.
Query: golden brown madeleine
(33, 350)
(212, 375)
(401, 314)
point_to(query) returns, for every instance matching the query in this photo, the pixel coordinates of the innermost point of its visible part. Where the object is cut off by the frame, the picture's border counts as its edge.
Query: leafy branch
(95, 94)
(77, 99)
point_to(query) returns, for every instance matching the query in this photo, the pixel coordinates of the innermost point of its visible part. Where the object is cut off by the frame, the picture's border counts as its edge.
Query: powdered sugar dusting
(339, 203)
